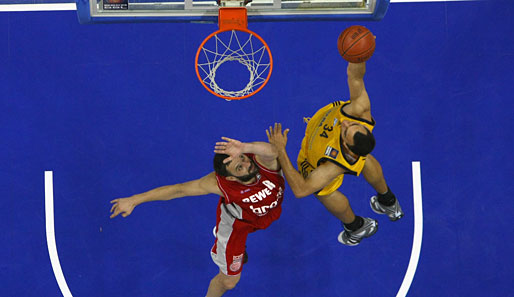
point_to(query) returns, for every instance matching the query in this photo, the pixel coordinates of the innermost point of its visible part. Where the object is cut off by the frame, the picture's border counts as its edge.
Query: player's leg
(355, 227)
(221, 283)
(385, 201)
(229, 256)
(245, 256)
(228, 251)
(338, 205)
(373, 174)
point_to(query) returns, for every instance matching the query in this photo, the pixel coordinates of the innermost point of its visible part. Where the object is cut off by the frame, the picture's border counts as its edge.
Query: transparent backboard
(107, 11)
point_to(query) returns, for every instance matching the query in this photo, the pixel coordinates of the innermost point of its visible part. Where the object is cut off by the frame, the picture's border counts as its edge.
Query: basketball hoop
(231, 53)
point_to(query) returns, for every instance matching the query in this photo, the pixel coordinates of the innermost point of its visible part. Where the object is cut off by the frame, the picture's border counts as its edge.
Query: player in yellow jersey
(338, 141)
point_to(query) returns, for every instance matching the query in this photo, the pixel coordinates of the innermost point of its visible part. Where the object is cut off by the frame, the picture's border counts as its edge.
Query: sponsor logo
(334, 153)
(331, 152)
(261, 211)
(237, 262)
(264, 194)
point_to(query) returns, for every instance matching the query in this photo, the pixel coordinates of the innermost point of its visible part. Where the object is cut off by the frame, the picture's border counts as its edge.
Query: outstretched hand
(125, 206)
(230, 147)
(276, 137)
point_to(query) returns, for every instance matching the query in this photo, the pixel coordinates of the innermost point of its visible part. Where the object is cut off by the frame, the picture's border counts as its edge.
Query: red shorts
(229, 247)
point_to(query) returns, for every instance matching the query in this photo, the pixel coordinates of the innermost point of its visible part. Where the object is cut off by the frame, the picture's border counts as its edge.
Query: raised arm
(265, 153)
(317, 180)
(202, 186)
(360, 105)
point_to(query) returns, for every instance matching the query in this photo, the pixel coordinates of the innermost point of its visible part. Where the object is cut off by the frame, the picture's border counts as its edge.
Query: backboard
(112, 11)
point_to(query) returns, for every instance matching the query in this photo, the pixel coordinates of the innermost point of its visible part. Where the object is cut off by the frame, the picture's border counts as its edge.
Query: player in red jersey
(248, 179)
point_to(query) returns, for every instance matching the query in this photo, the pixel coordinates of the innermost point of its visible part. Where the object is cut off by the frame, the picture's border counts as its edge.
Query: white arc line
(50, 234)
(404, 288)
(418, 230)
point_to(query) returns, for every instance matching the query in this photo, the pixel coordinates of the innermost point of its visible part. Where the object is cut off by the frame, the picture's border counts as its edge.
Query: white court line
(418, 230)
(50, 235)
(38, 7)
(415, 1)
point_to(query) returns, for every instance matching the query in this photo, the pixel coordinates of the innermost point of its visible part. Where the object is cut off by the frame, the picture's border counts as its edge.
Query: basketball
(356, 44)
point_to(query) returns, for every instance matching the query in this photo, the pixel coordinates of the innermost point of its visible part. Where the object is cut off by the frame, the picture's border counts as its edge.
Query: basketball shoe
(352, 238)
(394, 212)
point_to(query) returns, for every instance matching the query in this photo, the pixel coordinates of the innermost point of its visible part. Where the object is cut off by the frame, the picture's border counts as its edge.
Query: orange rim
(223, 96)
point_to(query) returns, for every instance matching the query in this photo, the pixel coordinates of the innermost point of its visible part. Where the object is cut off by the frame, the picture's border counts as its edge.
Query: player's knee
(230, 282)
(229, 285)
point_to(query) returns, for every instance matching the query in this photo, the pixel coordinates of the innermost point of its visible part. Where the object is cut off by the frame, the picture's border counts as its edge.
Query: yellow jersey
(322, 143)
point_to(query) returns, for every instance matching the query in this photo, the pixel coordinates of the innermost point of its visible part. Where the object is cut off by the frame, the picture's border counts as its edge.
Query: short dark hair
(219, 167)
(363, 144)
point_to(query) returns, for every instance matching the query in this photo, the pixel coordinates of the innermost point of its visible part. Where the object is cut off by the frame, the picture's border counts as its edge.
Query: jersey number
(325, 129)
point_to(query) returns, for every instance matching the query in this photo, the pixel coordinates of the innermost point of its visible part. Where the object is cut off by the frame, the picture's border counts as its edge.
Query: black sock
(387, 199)
(356, 224)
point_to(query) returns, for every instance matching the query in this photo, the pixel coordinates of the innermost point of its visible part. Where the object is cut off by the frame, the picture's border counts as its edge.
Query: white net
(251, 55)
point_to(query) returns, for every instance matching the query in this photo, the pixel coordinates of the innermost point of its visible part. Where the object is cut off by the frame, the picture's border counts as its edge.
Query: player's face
(348, 130)
(243, 168)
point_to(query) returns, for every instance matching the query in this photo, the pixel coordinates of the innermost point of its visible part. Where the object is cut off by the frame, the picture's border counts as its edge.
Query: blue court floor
(115, 110)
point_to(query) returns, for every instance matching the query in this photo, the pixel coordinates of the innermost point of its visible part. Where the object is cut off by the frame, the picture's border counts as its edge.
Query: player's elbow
(301, 193)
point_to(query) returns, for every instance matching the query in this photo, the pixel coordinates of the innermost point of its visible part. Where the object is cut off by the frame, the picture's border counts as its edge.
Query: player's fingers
(278, 127)
(115, 214)
(124, 214)
(113, 207)
(227, 160)
(115, 200)
(286, 131)
(227, 139)
(267, 134)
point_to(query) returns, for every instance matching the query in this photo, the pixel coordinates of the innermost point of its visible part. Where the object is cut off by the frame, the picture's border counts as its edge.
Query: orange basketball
(356, 44)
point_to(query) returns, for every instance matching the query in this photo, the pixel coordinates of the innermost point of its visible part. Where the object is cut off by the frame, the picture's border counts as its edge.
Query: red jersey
(259, 203)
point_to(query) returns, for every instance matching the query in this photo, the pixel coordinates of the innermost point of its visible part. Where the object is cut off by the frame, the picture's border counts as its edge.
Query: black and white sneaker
(394, 212)
(352, 238)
